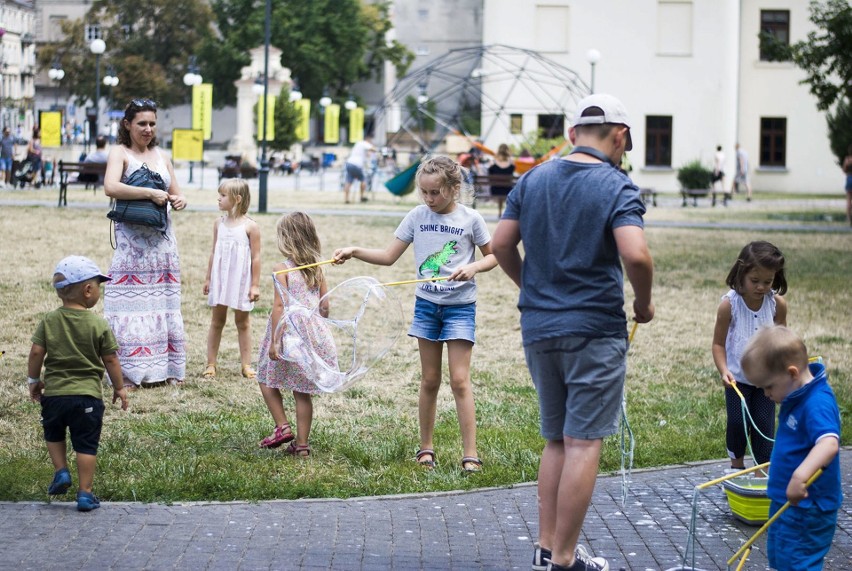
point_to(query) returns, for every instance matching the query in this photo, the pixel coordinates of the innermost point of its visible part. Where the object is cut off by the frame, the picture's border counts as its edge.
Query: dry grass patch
(200, 441)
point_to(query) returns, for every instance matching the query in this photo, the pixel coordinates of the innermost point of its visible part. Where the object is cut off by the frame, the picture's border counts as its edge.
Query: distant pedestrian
(233, 273)
(755, 300)
(741, 174)
(75, 346)
(808, 438)
(355, 167)
(503, 165)
(7, 156)
(847, 168)
(719, 173)
(299, 243)
(445, 235)
(579, 219)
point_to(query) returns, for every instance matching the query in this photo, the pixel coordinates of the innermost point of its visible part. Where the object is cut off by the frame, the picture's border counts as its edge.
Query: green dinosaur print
(434, 261)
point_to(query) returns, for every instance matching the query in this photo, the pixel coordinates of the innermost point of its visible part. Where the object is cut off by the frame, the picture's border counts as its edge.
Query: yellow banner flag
(269, 111)
(187, 145)
(303, 127)
(50, 123)
(202, 109)
(356, 125)
(332, 124)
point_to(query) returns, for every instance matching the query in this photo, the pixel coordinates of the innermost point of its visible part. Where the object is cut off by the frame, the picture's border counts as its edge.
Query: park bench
(87, 174)
(482, 184)
(696, 193)
(646, 193)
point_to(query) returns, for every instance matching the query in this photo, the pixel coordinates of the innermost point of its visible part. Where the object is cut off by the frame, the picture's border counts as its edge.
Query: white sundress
(142, 301)
(230, 274)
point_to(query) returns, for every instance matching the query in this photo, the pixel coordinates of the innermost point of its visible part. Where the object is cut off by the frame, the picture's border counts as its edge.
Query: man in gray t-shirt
(579, 218)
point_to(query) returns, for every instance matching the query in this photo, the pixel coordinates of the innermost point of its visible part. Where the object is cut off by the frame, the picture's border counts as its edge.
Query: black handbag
(145, 212)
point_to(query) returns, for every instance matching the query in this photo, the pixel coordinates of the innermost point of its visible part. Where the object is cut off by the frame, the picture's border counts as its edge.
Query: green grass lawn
(199, 442)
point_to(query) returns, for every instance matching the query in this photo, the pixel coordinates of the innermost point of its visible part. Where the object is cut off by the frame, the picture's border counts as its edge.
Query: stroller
(24, 173)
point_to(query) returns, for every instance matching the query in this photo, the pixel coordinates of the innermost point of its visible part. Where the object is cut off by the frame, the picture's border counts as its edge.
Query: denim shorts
(435, 322)
(800, 538)
(83, 417)
(580, 385)
(5, 163)
(353, 173)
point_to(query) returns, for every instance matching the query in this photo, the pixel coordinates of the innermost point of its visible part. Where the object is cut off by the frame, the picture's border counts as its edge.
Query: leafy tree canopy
(327, 44)
(826, 54)
(148, 42)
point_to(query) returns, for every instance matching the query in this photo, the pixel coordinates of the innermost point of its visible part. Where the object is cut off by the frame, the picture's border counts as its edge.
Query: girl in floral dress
(300, 245)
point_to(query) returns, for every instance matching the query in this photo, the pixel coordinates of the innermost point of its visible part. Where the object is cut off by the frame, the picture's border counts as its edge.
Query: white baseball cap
(77, 269)
(613, 112)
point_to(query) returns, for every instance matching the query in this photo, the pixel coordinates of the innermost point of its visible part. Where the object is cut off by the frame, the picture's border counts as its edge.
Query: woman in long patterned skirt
(142, 302)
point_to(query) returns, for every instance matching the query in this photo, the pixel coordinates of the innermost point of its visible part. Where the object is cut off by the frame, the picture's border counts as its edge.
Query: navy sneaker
(582, 562)
(87, 502)
(541, 556)
(61, 482)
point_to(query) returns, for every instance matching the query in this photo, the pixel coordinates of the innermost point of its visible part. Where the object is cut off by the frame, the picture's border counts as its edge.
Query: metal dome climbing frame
(492, 82)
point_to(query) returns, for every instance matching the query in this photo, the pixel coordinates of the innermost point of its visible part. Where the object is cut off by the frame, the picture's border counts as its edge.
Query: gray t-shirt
(442, 244)
(571, 280)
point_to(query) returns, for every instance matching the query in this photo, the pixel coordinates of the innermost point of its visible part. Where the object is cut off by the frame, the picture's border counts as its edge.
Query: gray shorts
(353, 173)
(580, 385)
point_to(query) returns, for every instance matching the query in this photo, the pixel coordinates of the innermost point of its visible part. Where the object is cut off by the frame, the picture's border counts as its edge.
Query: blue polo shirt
(807, 414)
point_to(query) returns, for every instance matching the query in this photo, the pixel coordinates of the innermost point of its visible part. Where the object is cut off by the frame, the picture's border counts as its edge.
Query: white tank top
(159, 166)
(744, 324)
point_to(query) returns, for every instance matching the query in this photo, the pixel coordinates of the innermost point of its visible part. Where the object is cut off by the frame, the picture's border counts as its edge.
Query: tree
(825, 56)
(840, 129)
(286, 119)
(327, 44)
(148, 42)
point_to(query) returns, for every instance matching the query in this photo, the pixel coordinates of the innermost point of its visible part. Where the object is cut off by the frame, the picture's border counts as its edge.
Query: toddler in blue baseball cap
(75, 347)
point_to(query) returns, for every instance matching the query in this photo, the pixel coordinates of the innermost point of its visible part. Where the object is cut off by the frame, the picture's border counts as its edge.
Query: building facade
(692, 77)
(17, 65)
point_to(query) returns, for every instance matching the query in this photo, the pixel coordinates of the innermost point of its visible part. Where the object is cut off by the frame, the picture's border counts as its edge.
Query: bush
(694, 175)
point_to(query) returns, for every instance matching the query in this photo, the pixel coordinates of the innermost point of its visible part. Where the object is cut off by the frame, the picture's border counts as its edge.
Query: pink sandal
(281, 435)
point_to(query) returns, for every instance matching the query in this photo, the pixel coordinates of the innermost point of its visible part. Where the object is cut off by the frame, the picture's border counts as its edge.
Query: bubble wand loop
(405, 282)
(306, 266)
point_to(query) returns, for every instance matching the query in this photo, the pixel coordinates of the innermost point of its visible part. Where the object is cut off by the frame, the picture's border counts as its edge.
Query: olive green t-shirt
(75, 341)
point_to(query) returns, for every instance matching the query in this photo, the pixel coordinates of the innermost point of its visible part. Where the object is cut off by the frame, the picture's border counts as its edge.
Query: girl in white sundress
(300, 245)
(233, 274)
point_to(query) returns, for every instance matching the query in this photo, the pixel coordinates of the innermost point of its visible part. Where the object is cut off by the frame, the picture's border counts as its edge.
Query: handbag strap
(593, 152)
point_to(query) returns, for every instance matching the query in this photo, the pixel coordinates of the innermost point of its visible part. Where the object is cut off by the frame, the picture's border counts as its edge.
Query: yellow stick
(306, 266)
(632, 332)
(743, 560)
(734, 386)
(765, 526)
(734, 475)
(404, 282)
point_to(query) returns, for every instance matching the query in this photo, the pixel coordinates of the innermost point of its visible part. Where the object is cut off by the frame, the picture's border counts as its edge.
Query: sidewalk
(490, 529)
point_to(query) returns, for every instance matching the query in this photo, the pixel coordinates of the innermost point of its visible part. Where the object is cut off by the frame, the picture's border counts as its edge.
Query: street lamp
(56, 73)
(422, 96)
(110, 80)
(350, 103)
(324, 102)
(190, 78)
(263, 172)
(593, 56)
(295, 92)
(97, 47)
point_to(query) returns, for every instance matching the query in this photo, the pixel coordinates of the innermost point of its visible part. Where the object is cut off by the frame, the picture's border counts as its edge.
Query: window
(775, 23)
(516, 124)
(674, 28)
(54, 32)
(551, 126)
(93, 32)
(422, 50)
(773, 141)
(658, 141)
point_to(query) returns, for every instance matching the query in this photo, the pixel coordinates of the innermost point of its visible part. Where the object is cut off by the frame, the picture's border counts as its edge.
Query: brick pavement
(485, 530)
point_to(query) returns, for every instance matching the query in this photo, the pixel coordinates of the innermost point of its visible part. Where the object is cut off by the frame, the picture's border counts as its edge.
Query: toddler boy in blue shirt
(807, 439)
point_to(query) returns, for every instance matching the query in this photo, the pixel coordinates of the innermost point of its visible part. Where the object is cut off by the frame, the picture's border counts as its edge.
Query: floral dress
(292, 375)
(142, 301)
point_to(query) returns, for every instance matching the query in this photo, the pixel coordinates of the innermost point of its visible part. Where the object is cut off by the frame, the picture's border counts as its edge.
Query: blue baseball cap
(77, 269)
